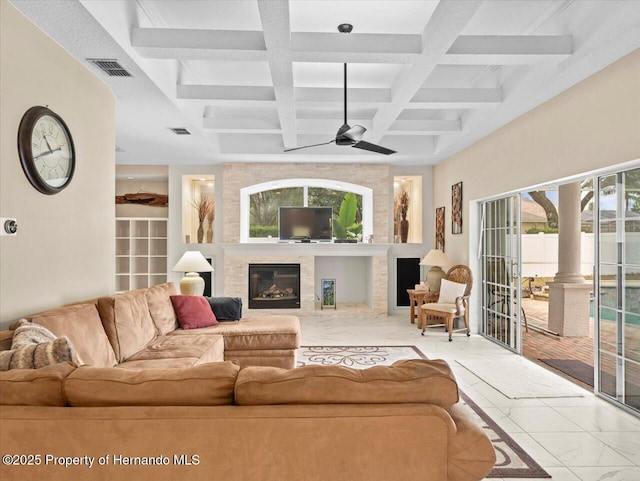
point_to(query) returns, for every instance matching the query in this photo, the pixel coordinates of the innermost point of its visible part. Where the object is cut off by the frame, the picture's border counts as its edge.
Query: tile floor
(574, 439)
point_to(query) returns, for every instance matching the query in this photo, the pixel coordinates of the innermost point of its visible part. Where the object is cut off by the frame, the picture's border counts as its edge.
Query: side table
(417, 297)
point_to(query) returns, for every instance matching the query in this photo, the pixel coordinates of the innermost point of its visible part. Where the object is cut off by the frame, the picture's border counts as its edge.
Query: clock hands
(47, 142)
(47, 153)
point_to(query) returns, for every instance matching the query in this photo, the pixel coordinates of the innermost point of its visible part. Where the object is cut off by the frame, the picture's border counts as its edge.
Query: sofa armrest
(471, 454)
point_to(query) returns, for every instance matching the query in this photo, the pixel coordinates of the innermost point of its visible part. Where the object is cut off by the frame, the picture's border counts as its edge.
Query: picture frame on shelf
(456, 208)
(328, 299)
(440, 228)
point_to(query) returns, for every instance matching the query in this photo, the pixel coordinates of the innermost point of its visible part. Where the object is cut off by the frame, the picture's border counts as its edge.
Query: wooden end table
(417, 297)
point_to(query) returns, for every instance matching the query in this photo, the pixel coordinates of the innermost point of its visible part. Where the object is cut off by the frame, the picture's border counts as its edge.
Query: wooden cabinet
(141, 252)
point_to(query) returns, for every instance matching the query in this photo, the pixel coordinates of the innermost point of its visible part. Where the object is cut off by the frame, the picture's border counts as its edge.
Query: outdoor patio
(538, 344)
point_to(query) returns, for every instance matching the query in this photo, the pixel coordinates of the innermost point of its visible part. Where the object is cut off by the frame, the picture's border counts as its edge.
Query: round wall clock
(46, 150)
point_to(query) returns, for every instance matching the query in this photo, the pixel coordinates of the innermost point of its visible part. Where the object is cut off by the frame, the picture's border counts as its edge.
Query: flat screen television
(305, 223)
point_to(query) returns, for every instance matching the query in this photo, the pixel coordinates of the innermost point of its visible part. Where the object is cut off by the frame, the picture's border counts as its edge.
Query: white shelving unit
(141, 252)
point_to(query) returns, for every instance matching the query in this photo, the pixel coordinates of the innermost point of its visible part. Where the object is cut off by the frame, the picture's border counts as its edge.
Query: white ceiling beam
(356, 42)
(226, 92)
(441, 31)
(326, 126)
(424, 127)
(248, 126)
(194, 44)
(509, 49)
(332, 97)
(455, 98)
(356, 95)
(274, 15)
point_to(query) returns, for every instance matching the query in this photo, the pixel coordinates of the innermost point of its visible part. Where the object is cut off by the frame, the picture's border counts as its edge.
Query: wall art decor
(456, 208)
(144, 198)
(440, 228)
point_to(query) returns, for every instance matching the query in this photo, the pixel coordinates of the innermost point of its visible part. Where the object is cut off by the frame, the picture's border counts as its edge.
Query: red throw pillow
(193, 312)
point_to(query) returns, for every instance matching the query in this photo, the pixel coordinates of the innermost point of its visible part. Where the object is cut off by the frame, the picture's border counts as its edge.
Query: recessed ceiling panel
(510, 18)
(360, 75)
(378, 16)
(458, 76)
(215, 15)
(334, 113)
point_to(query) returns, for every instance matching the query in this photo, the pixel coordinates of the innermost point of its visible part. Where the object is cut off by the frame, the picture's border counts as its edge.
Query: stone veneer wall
(239, 175)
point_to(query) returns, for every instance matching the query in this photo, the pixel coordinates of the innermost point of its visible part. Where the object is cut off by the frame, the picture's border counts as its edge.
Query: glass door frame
(508, 292)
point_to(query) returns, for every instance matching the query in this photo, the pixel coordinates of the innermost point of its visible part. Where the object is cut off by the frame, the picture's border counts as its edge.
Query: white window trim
(365, 192)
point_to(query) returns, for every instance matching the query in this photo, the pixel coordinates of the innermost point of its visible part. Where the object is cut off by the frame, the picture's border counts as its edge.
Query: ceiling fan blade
(373, 148)
(355, 133)
(307, 146)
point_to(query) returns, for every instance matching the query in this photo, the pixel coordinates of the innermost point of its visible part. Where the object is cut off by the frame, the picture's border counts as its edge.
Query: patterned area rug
(512, 461)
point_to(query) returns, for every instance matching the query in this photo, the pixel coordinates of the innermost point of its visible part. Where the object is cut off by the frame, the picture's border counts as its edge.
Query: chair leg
(524, 316)
(450, 327)
(466, 321)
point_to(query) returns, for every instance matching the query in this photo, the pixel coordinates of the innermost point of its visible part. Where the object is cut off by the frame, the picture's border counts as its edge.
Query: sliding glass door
(501, 271)
(617, 309)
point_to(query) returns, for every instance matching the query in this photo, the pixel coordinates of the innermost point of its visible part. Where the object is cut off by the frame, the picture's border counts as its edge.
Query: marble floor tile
(599, 418)
(607, 474)
(626, 443)
(540, 420)
(580, 449)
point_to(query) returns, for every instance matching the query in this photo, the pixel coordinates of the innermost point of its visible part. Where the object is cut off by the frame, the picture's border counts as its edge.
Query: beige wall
(592, 125)
(64, 250)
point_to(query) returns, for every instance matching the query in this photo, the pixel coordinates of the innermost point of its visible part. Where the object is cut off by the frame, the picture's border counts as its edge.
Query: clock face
(51, 151)
(46, 150)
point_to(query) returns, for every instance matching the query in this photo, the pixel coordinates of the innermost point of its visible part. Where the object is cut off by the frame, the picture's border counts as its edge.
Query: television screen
(305, 223)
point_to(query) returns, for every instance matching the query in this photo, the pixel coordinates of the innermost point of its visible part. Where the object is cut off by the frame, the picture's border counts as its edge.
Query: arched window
(259, 204)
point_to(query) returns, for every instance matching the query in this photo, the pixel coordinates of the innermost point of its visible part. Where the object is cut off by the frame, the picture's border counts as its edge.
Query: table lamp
(435, 258)
(191, 263)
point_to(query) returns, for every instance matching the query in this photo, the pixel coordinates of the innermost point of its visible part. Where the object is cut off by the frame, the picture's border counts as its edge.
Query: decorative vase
(200, 233)
(404, 230)
(210, 233)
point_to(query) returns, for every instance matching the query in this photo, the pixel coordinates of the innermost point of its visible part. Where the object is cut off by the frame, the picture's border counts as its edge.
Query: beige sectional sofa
(217, 421)
(155, 402)
(139, 330)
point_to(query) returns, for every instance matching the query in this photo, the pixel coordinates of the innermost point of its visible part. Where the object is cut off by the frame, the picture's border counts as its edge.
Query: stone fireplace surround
(237, 257)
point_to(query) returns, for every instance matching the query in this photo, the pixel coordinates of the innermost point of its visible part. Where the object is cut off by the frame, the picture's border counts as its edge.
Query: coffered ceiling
(249, 78)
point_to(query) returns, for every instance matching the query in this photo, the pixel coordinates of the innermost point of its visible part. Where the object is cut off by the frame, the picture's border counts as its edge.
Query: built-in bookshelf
(141, 252)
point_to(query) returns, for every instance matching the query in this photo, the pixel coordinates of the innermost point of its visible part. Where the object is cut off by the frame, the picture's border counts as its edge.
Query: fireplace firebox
(274, 286)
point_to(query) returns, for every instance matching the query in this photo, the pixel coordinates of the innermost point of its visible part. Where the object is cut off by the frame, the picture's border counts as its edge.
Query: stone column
(569, 292)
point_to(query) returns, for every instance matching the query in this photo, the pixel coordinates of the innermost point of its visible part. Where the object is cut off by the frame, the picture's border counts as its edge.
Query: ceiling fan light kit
(347, 135)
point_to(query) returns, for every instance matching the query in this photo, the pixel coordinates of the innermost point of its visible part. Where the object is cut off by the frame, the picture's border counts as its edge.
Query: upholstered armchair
(452, 302)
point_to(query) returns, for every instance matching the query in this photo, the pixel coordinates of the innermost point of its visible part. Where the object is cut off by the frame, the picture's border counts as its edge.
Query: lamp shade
(192, 261)
(435, 257)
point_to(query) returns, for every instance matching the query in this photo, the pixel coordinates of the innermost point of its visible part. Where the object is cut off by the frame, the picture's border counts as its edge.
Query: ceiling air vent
(179, 131)
(110, 66)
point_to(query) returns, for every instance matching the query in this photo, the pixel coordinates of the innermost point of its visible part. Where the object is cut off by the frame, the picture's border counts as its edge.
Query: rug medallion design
(512, 461)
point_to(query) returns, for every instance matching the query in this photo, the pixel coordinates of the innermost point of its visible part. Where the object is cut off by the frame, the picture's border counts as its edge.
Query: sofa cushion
(168, 347)
(410, 381)
(193, 312)
(127, 322)
(81, 324)
(265, 332)
(161, 308)
(284, 358)
(167, 363)
(34, 387)
(206, 385)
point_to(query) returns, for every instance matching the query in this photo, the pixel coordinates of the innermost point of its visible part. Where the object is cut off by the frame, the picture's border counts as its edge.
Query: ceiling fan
(348, 135)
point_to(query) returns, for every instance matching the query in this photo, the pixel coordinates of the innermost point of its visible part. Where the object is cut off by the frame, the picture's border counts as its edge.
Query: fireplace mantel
(318, 249)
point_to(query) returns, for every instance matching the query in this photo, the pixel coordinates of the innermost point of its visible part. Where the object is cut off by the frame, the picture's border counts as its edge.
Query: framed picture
(328, 293)
(456, 208)
(440, 228)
